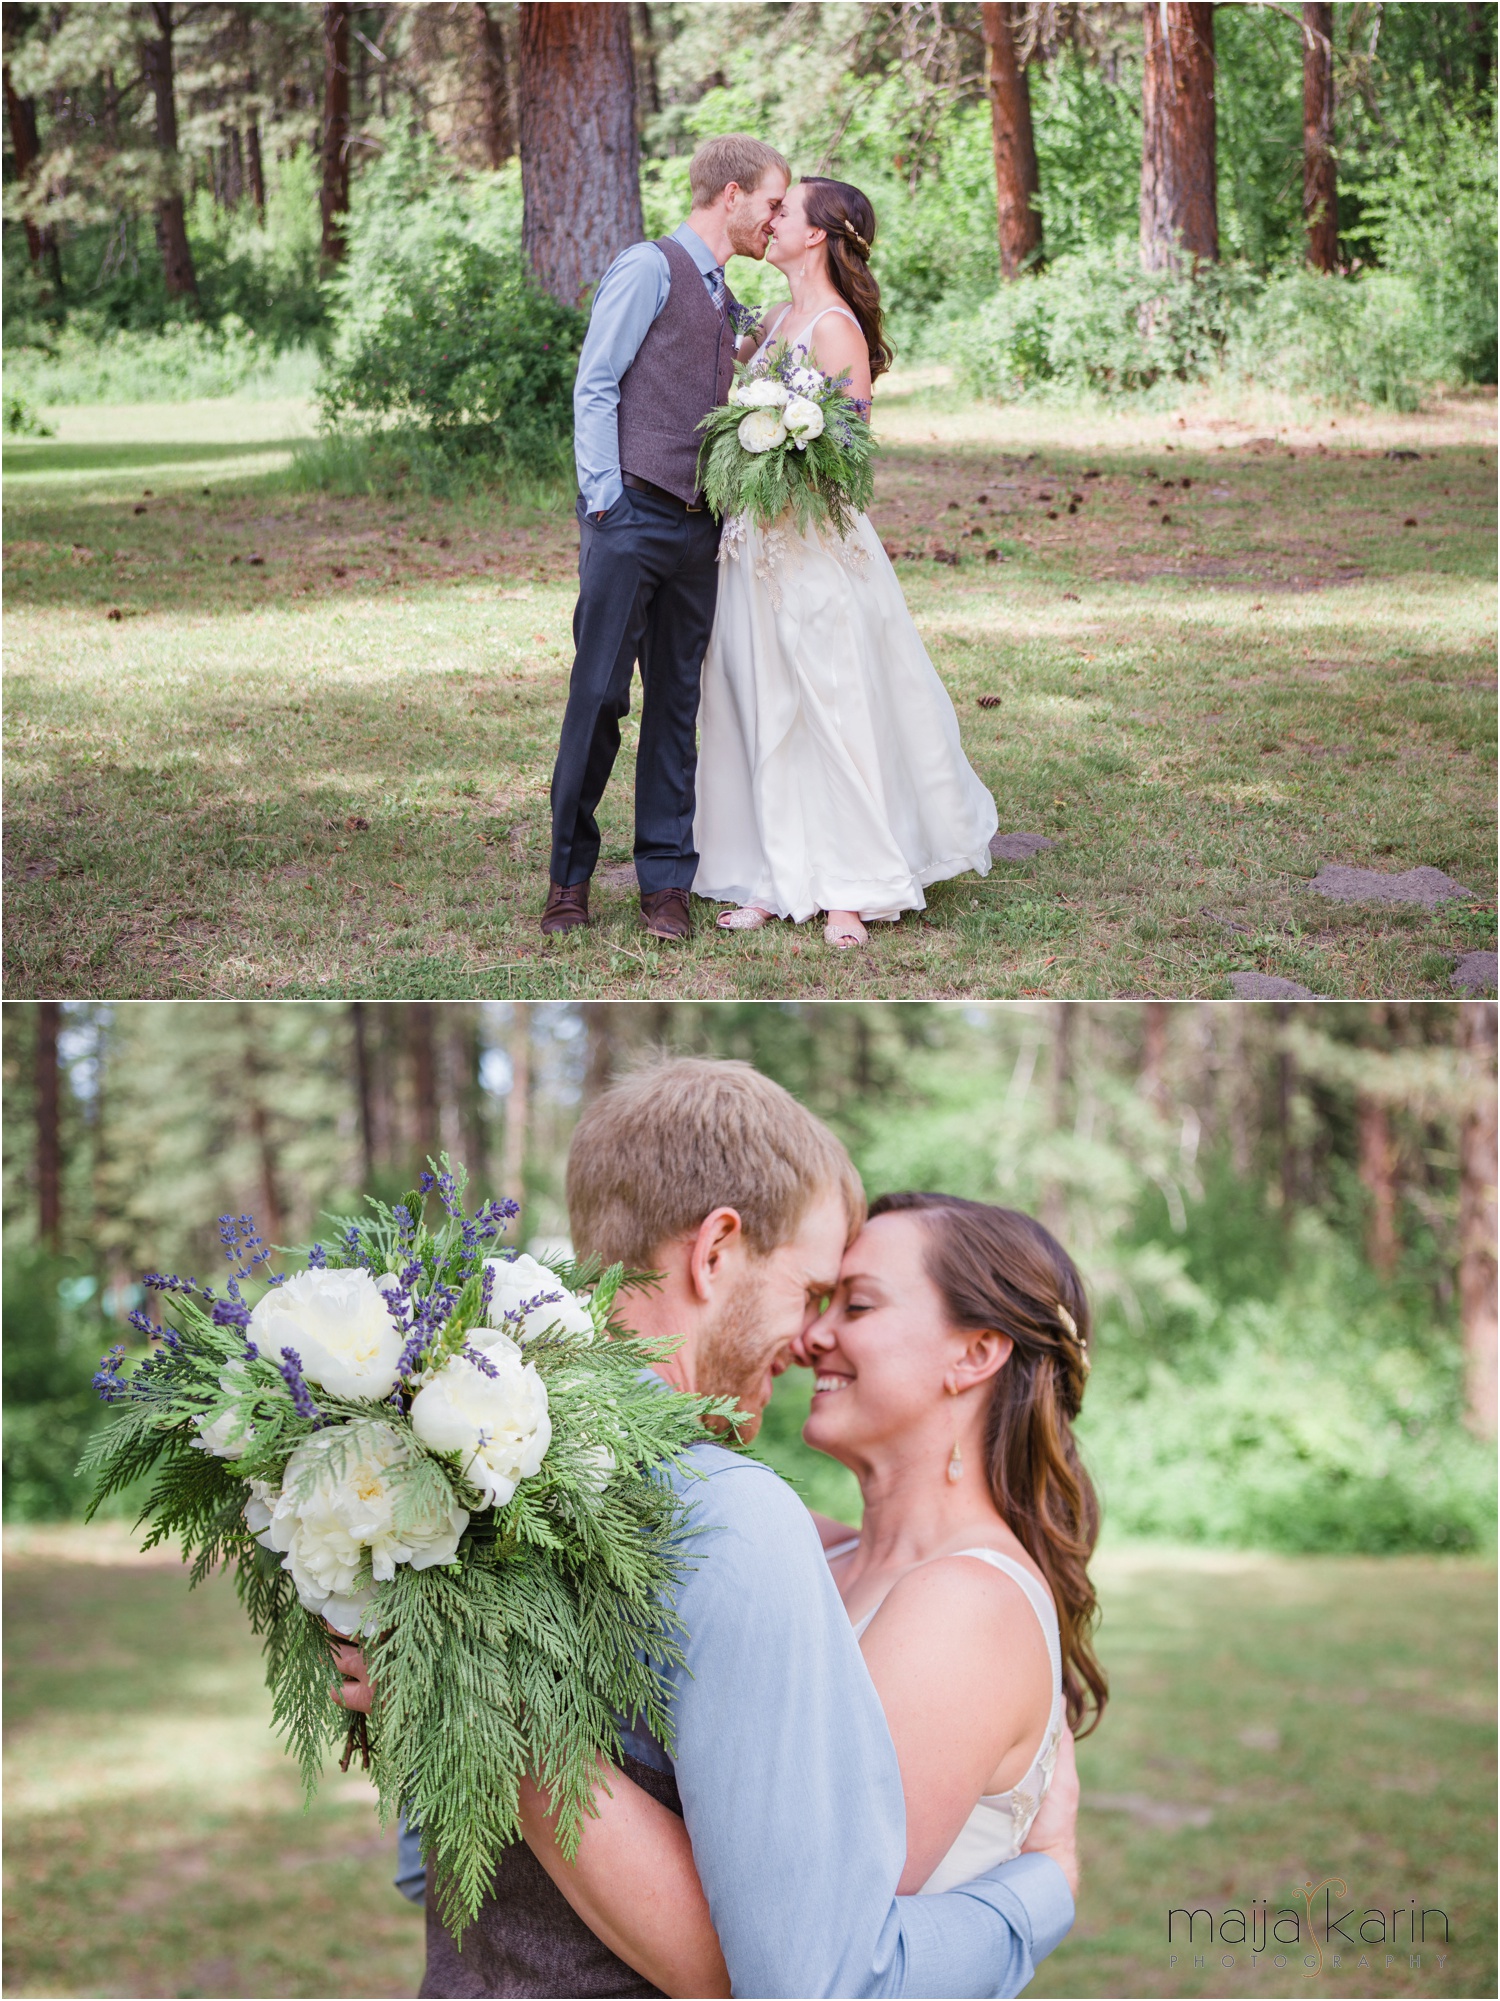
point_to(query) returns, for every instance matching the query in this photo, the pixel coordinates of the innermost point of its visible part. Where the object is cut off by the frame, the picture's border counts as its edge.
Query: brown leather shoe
(665, 914)
(567, 907)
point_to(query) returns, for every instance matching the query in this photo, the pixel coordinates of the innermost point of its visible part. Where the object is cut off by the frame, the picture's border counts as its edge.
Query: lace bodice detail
(1000, 1822)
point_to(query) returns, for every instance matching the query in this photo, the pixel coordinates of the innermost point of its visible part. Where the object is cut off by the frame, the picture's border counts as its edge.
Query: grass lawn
(1275, 1720)
(271, 742)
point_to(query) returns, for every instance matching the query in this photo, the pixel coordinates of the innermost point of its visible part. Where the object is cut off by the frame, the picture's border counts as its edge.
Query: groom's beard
(731, 1354)
(747, 238)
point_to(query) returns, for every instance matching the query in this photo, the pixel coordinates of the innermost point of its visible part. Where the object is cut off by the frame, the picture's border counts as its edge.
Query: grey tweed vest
(527, 1939)
(684, 368)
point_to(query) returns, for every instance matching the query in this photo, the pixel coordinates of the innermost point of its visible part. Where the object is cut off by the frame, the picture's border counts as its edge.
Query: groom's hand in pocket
(1054, 1832)
(354, 1691)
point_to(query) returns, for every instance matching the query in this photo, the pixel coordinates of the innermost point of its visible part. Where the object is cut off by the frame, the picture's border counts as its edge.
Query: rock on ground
(1268, 986)
(1475, 972)
(1427, 886)
(1018, 847)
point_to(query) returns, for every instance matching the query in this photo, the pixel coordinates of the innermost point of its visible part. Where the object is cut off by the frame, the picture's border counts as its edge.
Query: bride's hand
(354, 1692)
(1054, 1832)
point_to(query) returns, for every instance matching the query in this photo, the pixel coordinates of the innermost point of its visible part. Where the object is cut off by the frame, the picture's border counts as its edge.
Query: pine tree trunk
(1285, 1081)
(580, 162)
(334, 201)
(601, 1020)
(253, 164)
(1153, 1081)
(272, 1218)
(21, 112)
(468, 1051)
(424, 1081)
(1476, 1222)
(494, 77)
(48, 1128)
(171, 217)
(362, 1091)
(1320, 199)
(645, 41)
(1179, 201)
(1016, 179)
(517, 1115)
(1377, 1171)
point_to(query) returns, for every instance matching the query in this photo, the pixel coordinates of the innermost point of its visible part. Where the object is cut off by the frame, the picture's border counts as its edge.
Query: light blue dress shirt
(631, 294)
(789, 1782)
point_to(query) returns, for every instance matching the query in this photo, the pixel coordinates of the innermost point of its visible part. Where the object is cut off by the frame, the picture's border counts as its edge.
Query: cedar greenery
(554, 1620)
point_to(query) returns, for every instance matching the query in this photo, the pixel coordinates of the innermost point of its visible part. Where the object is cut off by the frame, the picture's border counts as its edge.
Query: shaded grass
(1332, 1717)
(1197, 711)
(156, 1841)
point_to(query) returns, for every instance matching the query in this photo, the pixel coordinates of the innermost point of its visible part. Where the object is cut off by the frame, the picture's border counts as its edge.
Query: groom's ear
(719, 1235)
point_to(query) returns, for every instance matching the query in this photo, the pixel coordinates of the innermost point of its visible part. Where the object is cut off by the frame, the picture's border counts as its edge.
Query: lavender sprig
(290, 1367)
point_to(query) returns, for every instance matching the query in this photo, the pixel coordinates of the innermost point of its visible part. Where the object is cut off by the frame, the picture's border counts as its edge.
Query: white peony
(804, 381)
(761, 430)
(338, 1510)
(229, 1434)
(763, 393)
(520, 1279)
(804, 420)
(497, 1422)
(337, 1322)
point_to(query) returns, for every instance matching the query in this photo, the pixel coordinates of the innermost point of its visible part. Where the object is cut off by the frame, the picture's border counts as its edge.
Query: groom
(782, 1765)
(659, 355)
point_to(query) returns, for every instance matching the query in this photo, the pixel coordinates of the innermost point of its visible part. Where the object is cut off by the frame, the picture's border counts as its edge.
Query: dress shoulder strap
(841, 1548)
(842, 310)
(1037, 1596)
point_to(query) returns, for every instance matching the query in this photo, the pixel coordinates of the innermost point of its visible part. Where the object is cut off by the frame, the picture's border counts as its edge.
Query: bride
(949, 1368)
(830, 772)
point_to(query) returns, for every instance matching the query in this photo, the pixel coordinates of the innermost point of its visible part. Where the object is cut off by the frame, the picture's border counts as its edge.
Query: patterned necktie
(716, 286)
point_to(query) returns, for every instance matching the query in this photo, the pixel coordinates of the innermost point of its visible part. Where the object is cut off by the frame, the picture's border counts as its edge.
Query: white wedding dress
(830, 771)
(999, 1822)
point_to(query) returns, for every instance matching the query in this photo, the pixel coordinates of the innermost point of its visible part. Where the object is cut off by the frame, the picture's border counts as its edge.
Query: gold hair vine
(856, 239)
(1068, 1321)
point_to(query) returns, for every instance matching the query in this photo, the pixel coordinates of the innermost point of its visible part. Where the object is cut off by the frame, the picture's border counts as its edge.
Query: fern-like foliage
(555, 1617)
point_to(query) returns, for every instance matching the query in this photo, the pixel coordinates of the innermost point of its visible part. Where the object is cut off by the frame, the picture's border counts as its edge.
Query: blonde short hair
(683, 1136)
(736, 157)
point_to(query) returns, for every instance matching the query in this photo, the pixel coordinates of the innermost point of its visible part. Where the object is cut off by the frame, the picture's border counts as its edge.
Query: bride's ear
(984, 1357)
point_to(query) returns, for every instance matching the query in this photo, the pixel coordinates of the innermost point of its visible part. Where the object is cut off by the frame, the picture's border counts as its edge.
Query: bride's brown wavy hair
(849, 219)
(998, 1269)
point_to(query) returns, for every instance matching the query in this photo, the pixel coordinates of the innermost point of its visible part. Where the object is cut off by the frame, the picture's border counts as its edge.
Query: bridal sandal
(749, 918)
(844, 935)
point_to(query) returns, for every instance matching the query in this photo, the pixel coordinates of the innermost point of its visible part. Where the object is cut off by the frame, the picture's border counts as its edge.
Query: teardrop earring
(955, 1465)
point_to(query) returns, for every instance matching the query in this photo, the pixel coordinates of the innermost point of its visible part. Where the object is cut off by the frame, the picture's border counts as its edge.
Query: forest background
(1286, 1220)
(208, 198)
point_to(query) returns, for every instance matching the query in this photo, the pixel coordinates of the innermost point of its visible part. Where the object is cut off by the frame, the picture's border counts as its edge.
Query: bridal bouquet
(451, 1456)
(788, 439)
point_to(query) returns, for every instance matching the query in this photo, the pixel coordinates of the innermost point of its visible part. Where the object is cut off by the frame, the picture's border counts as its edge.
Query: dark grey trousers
(647, 582)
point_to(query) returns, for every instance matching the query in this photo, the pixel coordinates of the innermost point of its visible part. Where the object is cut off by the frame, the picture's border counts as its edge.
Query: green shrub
(1096, 323)
(53, 1341)
(440, 330)
(470, 351)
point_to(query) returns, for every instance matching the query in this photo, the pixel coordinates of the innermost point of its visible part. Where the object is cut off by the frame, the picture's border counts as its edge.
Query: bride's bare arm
(961, 1668)
(635, 1885)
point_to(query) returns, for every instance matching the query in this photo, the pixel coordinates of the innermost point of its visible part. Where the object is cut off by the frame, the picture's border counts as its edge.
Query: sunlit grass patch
(270, 741)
